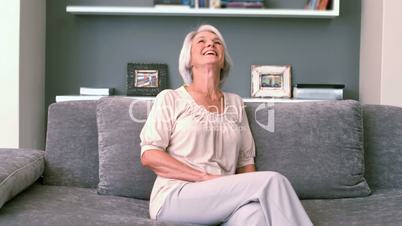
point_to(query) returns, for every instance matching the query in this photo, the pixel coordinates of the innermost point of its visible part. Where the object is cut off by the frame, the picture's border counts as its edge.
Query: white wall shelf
(64, 98)
(150, 11)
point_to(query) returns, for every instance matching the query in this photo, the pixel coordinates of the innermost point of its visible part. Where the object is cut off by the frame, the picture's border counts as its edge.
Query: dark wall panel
(94, 50)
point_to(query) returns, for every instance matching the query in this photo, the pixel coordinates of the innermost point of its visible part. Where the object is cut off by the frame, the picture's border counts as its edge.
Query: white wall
(371, 52)
(391, 85)
(22, 68)
(9, 73)
(381, 52)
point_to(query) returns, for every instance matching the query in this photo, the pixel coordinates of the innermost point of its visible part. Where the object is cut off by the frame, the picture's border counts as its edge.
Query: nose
(210, 43)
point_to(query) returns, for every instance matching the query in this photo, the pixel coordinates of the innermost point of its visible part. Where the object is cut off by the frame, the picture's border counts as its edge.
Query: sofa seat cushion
(43, 205)
(383, 207)
(19, 168)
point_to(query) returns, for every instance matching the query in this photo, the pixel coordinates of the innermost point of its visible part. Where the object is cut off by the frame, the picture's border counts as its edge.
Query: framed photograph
(270, 81)
(146, 79)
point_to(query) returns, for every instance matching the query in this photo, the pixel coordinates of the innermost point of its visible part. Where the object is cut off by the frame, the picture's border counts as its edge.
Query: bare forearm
(165, 165)
(246, 169)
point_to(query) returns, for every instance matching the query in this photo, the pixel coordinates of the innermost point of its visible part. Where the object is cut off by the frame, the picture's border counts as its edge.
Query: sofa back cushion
(383, 145)
(121, 173)
(71, 157)
(318, 146)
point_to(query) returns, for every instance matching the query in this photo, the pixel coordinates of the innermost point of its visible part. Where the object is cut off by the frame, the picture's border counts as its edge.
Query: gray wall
(94, 50)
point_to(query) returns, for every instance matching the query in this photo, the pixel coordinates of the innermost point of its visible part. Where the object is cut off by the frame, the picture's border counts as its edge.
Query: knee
(274, 175)
(250, 214)
(279, 176)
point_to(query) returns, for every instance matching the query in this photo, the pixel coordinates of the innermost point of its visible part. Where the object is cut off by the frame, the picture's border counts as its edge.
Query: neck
(206, 81)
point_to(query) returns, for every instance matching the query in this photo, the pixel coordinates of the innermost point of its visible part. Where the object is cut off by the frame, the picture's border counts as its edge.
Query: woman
(198, 141)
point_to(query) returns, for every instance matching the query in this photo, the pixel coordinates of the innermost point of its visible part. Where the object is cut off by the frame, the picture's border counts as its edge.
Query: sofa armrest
(19, 168)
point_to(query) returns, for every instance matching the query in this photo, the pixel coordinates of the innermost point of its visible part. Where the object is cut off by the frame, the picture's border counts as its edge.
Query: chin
(215, 62)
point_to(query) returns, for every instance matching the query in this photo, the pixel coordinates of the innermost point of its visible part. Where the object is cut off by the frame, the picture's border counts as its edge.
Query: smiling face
(207, 48)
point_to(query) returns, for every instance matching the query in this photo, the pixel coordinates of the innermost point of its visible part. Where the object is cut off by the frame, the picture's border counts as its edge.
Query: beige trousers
(251, 199)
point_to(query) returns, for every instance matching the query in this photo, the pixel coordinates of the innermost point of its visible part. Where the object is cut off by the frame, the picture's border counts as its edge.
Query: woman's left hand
(209, 177)
(246, 169)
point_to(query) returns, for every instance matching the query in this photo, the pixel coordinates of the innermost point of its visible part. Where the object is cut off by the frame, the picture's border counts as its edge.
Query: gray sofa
(344, 161)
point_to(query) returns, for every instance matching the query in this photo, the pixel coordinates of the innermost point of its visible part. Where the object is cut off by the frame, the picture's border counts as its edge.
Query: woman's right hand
(166, 166)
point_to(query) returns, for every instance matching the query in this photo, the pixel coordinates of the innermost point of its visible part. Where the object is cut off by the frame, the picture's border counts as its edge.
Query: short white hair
(185, 54)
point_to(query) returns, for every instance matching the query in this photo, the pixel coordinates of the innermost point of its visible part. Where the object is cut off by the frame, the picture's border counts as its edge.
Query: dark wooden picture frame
(146, 79)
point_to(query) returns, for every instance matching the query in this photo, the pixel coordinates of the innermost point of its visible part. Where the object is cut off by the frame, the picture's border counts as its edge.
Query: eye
(201, 41)
(218, 42)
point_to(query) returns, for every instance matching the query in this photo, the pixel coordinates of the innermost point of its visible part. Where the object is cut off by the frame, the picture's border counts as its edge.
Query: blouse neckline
(184, 90)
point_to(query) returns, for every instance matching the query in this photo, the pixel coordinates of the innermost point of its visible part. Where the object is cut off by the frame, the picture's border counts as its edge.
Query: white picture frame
(271, 81)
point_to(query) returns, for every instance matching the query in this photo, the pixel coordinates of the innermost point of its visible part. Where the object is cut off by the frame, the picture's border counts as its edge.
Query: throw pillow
(72, 145)
(318, 146)
(120, 121)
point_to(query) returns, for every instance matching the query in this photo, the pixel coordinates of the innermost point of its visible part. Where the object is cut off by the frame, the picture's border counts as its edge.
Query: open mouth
(210, 53)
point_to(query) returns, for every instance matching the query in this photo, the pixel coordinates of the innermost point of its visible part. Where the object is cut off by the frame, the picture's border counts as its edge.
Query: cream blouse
(216, 143)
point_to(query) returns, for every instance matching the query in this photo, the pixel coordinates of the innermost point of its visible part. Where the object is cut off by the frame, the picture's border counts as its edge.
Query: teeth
(210, 52)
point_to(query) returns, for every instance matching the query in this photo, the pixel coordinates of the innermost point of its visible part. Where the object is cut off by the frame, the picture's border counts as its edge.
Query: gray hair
(185, 55)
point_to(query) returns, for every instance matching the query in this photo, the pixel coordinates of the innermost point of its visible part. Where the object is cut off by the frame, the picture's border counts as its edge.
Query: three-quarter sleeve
(157, 129)
(247, 147)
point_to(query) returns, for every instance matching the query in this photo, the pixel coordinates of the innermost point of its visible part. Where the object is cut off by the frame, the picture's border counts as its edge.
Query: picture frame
(146, 79)
(271, 81)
